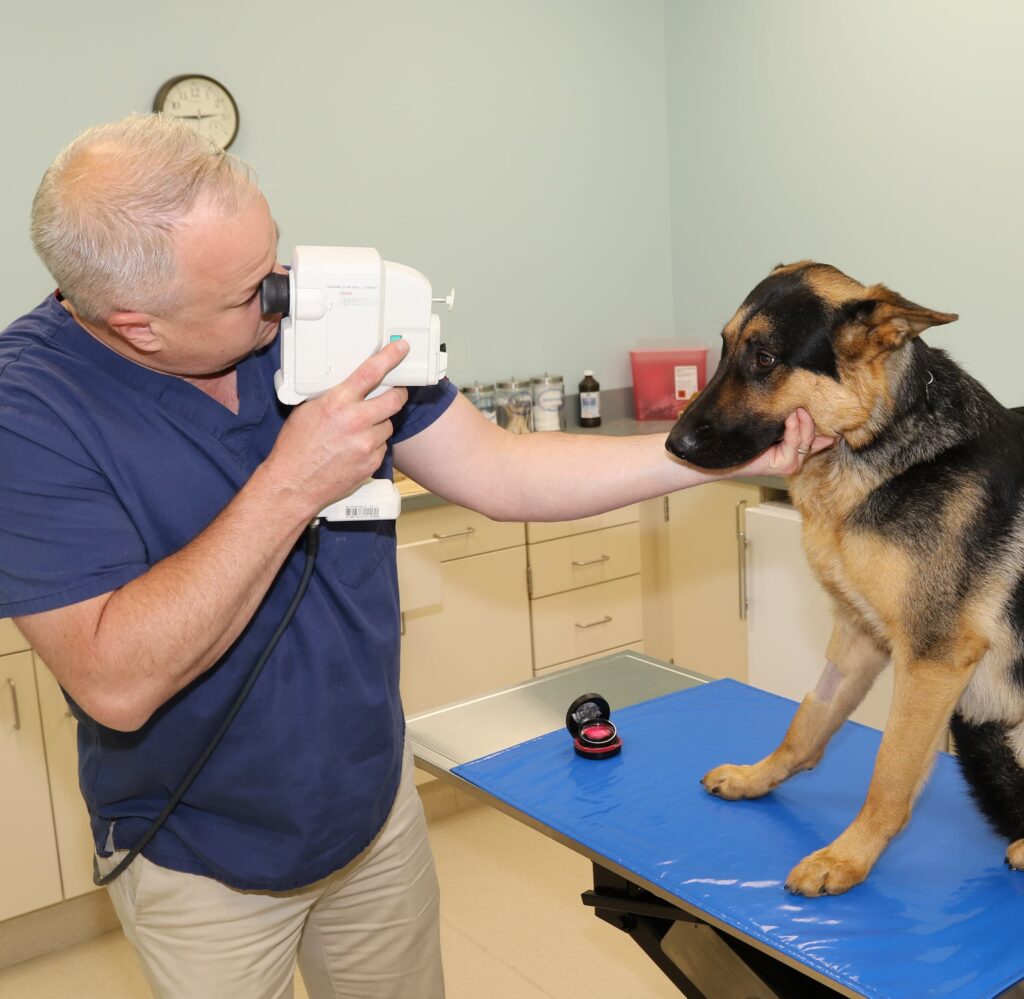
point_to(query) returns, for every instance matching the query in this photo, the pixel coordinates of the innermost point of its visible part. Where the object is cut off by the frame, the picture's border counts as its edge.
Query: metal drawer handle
(593, 561)
(593, 624)
(741, 555)
(456, 534)
(14, 701)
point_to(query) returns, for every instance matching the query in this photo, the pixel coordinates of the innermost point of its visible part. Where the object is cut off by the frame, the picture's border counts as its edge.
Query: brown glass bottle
(590, 401)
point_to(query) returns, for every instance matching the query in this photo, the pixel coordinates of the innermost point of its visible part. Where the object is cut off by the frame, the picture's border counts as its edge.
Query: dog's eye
(765, 360)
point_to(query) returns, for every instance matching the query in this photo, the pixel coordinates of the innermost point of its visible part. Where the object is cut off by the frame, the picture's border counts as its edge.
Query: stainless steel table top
(468, 730)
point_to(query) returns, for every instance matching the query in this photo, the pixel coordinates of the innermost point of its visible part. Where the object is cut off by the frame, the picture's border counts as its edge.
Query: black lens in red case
(593, 732)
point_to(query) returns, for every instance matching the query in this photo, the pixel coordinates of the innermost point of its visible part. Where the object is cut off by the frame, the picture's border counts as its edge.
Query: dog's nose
(683, 442)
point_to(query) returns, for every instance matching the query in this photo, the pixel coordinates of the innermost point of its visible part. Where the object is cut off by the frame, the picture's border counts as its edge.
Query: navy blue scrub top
(107, 467)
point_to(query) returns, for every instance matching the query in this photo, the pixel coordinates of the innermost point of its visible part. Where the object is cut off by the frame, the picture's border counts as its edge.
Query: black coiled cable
(312, 539)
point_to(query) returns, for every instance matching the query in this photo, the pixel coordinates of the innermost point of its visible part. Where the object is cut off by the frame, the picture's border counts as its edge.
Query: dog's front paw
(735, 782)
(826, 872)
(1015, 855)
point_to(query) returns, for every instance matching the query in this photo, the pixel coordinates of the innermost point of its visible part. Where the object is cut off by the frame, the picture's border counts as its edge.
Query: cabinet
(475, 636)
(789, 620)
(585, 587)
(704, 577)
(45, 839)
(28, 848)
(70, 816)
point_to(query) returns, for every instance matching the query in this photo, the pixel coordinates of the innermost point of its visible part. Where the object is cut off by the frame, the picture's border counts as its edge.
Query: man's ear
(891, 319)
(136, 330)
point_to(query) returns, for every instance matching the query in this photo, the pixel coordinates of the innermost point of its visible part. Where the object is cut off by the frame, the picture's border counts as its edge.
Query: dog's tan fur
(877, 587)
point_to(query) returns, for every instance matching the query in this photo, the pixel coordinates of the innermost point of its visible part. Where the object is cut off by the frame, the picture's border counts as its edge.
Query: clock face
(203, 103)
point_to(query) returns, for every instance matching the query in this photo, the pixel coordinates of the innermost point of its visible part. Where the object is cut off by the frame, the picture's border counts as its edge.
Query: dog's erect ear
(892, 319)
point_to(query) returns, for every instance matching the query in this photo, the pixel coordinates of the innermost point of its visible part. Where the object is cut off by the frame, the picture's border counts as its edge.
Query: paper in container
(666, 379)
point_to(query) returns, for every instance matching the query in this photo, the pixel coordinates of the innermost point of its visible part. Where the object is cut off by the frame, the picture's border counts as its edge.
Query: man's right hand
(331, 444)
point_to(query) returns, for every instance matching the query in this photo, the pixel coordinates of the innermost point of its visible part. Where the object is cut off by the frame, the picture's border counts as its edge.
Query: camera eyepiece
(274, 295)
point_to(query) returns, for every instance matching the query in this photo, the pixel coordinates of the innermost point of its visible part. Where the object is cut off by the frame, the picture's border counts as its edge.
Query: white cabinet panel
(29, 874)
(11, 640)
(477, 639)
(563, 528)
(584, 559)
(460, 533)
(632, 647)
(789, 617)
(586, 621)
(70, 816)
(709, 632)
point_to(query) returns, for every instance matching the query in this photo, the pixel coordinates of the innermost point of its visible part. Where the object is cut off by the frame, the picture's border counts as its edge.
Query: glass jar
(548, 402)
(514, 402)
(482, 396)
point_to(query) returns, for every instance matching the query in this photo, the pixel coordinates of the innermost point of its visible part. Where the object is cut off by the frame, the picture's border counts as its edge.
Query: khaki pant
(370, 930)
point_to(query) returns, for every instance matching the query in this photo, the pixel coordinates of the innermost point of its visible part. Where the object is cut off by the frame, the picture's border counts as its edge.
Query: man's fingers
(384, 406)
(373, 370)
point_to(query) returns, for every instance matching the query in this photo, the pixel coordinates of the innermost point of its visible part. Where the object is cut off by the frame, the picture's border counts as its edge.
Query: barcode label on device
(371, 512)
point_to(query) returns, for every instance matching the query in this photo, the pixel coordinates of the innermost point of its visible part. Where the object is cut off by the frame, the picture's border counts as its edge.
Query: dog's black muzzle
(707, 437)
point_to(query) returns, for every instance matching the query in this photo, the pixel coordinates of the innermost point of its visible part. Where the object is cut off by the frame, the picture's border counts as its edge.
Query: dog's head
(807, 336)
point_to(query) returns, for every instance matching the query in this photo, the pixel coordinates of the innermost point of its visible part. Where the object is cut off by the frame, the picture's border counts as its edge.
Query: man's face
(221, 261)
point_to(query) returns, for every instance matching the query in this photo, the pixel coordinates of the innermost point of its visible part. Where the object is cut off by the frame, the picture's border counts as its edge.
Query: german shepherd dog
(914, 524)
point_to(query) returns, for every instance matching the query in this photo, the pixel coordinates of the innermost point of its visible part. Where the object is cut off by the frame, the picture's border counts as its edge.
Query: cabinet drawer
(632, 647)
(459, 531)
(11, 640)
(584, 559)
(566, 528)
(581, 622)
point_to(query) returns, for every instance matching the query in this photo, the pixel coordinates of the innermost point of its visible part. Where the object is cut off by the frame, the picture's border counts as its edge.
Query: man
(154, 493)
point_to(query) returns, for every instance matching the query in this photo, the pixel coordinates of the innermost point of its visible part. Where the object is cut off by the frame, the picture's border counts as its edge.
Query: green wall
(588, 174)
(886, 138)
(516, 151)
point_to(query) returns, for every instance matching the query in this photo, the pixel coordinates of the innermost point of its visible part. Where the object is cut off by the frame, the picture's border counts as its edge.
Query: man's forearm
(156, 634)
(551, 476)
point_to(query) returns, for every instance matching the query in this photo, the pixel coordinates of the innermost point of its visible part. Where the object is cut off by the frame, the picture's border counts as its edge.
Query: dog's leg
(991, 757)
(854, 661)
(924, 696)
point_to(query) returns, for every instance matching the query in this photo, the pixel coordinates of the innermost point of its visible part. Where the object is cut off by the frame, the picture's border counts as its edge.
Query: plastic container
(666, 379)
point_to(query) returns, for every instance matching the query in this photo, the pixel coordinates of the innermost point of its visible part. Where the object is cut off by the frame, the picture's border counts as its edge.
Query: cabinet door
(586, 621)
(70, 816)
(709, 629)
(789, 616)
(11, 640)
(476, 640)
(29, 874)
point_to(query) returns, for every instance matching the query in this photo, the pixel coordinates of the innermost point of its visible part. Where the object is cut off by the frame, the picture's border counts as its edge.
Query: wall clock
(202, 102)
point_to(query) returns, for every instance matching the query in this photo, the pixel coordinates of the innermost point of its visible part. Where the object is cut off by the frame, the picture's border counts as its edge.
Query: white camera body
(343, 305)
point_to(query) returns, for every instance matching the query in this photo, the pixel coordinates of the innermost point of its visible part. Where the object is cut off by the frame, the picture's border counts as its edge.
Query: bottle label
(686, 381)
(590, 405)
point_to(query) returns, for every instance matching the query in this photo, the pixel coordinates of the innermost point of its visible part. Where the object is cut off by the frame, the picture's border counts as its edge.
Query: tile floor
(512, 926)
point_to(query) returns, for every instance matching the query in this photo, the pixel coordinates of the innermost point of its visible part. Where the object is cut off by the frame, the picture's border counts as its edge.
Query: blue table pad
(939, 915)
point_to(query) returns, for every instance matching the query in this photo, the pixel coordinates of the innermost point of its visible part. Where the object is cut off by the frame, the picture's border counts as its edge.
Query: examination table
(698, 882)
